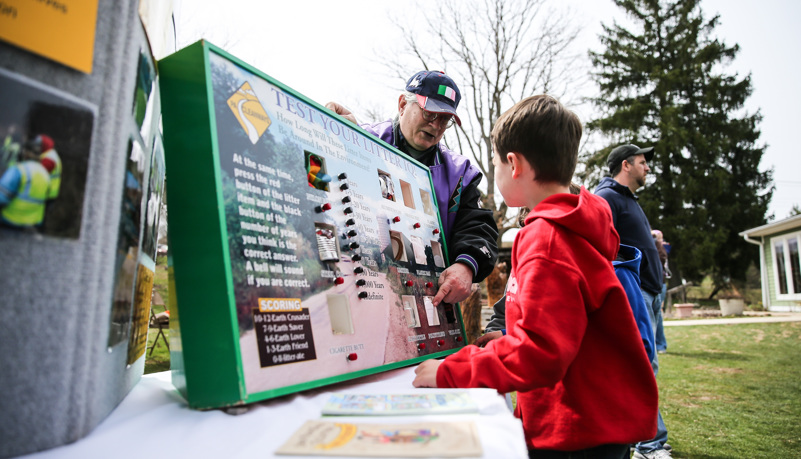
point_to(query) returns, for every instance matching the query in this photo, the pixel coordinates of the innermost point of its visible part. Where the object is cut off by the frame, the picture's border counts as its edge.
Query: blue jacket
(634, 230)
(470, 231)
(627, 268)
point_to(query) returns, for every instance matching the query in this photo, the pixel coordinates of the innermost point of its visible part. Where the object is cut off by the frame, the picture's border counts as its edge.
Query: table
(154, 421)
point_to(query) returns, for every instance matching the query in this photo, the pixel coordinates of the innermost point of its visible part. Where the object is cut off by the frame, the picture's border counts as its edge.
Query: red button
(459, 339)
(326, 206)
(396, 219)
(409, 283)
(429, 284)
(440, 342)
(436, 231)
(352, 357)
(339, 280)
(421, 346)
(416, 225)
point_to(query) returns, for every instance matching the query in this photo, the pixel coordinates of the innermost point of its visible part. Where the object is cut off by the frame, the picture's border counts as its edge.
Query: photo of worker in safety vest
(44, 125)
(51, 161)
(24, 189)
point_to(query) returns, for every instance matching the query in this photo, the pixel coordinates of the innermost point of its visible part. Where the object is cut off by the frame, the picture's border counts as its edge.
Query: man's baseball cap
(436, 92)
(624, 151)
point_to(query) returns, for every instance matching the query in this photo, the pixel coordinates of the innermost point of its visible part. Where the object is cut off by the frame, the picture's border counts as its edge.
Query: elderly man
(628, 165)
(425, 111)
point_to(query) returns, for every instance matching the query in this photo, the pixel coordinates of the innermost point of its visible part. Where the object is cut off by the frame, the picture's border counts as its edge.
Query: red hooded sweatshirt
(572, 350)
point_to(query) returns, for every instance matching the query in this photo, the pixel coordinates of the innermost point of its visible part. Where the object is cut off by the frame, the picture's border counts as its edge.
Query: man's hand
(455, 284)
(426, 374)
(341, 110)
(482, 340)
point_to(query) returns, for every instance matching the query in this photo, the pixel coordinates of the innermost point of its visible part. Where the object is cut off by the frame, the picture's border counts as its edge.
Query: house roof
(773, 228)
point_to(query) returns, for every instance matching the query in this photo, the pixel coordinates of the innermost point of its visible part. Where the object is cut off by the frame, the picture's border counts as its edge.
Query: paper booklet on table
(399, 404)
(419, 439)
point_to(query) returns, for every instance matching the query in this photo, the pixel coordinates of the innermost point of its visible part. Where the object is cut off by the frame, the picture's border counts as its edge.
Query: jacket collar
(622, 189)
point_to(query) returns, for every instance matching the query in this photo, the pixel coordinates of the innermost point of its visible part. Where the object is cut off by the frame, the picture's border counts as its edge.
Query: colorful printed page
(399, 404)
(420, 439)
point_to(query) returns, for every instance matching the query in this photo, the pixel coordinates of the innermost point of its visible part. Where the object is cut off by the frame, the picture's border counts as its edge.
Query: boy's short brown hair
(545, 132)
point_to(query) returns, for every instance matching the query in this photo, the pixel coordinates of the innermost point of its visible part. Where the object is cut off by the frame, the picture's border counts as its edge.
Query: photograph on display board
(155, 193)
(145, 277)
(143, 289)
(128, 239)
(145, 84)
(334, 242)
(45, 140)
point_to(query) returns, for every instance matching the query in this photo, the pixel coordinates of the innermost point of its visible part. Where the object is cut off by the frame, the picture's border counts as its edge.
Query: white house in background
(779, 263)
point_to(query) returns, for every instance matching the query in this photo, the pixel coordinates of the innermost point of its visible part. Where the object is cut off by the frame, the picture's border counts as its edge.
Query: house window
(787, 263)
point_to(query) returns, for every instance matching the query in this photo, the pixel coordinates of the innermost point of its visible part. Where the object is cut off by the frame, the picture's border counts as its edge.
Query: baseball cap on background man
(624, 151)
(436, 92)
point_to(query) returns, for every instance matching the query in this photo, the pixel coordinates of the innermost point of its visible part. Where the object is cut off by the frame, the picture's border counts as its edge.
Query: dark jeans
(598, 452)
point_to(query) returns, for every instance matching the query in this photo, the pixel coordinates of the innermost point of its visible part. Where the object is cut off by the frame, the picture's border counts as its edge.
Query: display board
(304, 250)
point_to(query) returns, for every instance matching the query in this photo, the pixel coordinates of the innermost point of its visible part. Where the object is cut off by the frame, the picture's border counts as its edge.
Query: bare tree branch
(498, 52)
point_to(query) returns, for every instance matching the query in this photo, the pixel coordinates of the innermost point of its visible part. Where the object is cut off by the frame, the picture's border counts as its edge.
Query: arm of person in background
(9, 184)
(472, 245)
(340, 109)
(497, 324)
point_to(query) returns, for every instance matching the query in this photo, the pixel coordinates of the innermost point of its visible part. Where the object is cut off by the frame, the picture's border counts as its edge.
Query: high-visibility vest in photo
(28, 206)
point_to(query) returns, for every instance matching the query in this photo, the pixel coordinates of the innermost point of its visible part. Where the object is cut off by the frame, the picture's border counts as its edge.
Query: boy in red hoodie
(572, 350)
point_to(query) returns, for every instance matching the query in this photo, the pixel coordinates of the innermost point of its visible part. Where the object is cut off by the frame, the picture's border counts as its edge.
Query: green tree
(663, 83)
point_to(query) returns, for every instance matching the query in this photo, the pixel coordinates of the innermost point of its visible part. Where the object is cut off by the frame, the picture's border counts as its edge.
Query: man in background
(628, 165)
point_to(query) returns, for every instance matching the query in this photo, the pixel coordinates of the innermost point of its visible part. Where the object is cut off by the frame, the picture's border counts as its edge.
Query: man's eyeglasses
(430, 117)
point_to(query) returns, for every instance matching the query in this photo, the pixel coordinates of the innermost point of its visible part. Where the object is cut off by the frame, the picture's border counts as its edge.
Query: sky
(327, 51)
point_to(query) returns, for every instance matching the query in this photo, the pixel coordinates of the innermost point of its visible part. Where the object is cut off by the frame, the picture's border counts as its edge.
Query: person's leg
(659, 337)
(650, 299)
(660, 439)
(658, 442)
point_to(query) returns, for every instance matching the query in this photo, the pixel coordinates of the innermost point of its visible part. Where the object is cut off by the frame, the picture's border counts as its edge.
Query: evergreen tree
(663, 84)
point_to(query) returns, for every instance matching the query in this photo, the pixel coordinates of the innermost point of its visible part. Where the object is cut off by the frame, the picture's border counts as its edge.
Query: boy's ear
(517, 162)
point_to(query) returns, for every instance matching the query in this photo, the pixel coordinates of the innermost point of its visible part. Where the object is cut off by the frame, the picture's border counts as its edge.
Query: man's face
(638, 170)
(419, 133)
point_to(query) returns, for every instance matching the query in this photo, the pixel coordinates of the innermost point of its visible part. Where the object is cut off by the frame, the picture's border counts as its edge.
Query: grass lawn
(732, 390)
(160, 359)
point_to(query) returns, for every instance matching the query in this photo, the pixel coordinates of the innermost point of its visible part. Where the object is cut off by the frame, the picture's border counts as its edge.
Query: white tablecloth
(154, 421)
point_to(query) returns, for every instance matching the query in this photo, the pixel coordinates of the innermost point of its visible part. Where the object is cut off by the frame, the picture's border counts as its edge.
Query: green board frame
(254, 182)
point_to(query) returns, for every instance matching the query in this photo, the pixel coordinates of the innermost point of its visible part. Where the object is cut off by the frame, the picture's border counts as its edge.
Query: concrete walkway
(704, 317)
(748, 318)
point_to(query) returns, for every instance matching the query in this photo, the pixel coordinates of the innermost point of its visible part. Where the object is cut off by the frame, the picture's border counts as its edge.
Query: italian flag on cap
(447, 92)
